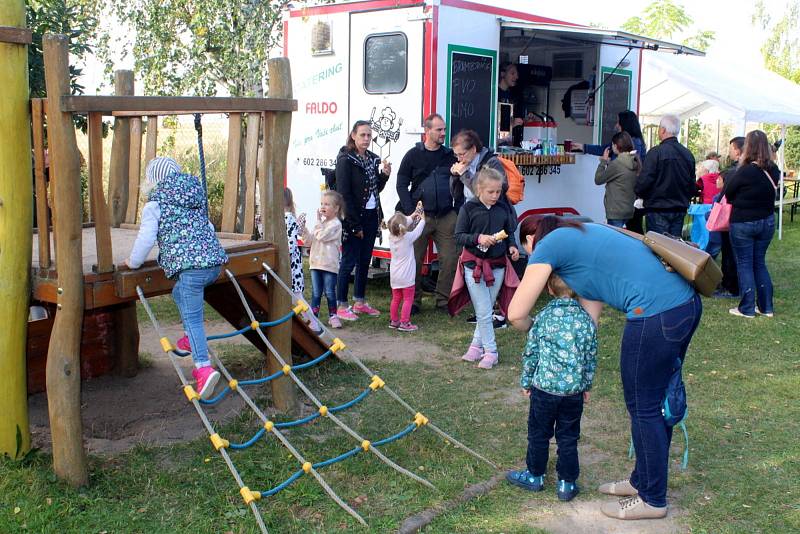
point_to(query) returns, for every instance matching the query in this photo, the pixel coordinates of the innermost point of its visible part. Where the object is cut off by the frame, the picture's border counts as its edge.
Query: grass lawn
(743, 378)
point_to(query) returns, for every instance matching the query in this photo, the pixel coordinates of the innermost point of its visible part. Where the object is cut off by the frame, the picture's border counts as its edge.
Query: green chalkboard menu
(615, 96)
(471, 91)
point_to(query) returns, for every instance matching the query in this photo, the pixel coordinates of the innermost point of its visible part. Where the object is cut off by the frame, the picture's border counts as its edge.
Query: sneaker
(183, 344)
(525, 480)
(346, 314)
(566, 491)
(366, 309)
(620, 488)
(394, 324)
(472, 319)
(206, 378)
(335, 322)
(473, 354)
(632, 508)
(498, 321)
(737, 313)
(488, 360)
(767, 314)
(407, 327)
(723, 294)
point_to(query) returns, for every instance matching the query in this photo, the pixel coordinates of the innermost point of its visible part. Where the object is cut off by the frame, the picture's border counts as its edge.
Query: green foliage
(664, 18)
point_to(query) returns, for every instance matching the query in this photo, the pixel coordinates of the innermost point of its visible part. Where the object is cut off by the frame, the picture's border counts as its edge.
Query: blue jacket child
(176, 218)
(558, 367)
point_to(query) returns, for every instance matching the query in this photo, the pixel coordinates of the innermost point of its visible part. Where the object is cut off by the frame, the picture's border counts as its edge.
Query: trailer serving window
(385, 63)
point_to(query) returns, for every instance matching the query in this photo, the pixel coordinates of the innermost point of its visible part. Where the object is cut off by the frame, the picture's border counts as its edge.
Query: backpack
(516, 182)
(674, 409)
(330, 177)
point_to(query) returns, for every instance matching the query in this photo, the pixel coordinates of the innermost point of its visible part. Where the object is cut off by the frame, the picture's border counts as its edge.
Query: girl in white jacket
(403, 269)
(326, 241)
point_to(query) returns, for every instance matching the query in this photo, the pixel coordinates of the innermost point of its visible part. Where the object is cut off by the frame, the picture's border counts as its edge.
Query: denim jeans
(357, 253)
(619, 223)
(483, 298)
(750, 241)
(650, 346)
(730, 278)
(323, 281)
(188, 296)
(666, 222)
(562, 414)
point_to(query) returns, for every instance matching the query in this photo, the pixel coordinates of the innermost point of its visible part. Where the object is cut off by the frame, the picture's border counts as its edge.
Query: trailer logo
(386, 128)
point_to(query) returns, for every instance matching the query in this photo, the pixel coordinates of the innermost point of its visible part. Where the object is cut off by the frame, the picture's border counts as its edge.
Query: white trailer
(393, 62)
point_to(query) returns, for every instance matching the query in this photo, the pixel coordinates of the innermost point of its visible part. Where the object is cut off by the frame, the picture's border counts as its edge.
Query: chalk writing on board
(471, 93)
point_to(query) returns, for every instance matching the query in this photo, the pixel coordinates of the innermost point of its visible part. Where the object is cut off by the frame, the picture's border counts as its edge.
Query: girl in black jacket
(360, 183)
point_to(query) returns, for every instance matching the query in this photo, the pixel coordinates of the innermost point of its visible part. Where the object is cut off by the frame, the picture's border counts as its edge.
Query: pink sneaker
(489, 360)
(207, 378)
(183, 344)
(366, 309)
(473, 354)
(346, 314)
(407, 327)
(394, 324)
(335, 322)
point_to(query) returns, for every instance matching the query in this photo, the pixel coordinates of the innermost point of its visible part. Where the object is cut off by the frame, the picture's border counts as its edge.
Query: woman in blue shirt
(662, 311)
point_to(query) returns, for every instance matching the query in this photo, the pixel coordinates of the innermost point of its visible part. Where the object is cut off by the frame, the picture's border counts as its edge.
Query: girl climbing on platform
(485, 230)
(403, 231)
(176, 217)
(326, 240)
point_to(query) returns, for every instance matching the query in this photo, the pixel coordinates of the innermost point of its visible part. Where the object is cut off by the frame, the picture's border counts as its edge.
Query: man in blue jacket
(424, 175)
(667, 181)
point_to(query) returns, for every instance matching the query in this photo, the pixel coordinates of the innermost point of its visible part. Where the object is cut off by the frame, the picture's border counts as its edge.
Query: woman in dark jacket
(472, 157)
(751, 192)
(360, 182)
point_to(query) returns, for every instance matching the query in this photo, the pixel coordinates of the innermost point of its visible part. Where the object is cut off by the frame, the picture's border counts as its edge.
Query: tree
(664, 18)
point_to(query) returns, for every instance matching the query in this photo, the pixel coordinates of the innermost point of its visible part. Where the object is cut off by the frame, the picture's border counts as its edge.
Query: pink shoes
(206, 378)
(366, 309)
(183, 344)
(407, 327)
(488, 360)
(335, 322)
(473, 354)
(394, 324)
(346, 314)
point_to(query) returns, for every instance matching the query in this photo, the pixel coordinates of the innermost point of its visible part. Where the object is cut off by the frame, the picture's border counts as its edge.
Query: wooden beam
(251, 164)
(230, 196)
(42, 212)
(277, 128)
(134, 171)
(151, 144)
(63, 355)
(173, 105)
(118, 190)
(14, 35)
(102, 230)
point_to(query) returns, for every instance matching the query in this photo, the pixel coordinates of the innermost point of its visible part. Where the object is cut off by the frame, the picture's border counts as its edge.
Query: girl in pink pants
(402, 270)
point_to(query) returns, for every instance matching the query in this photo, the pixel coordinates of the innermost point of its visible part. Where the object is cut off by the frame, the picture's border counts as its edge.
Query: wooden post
(134, 170)
(63, 355)
(118, 189)
(97, 199)
(230, 197)
(16, 219)
(277, 127)
(250, 166)
(42, 215)
(151, 144)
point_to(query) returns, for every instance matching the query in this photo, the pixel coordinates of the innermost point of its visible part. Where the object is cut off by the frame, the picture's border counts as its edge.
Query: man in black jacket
(667, 181)
(424, 175)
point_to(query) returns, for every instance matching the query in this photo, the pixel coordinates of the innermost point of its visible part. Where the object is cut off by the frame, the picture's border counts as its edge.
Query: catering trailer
(393, 62)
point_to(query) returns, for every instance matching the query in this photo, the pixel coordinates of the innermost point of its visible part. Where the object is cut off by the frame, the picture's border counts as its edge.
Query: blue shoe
(525, 480)
(567, 490)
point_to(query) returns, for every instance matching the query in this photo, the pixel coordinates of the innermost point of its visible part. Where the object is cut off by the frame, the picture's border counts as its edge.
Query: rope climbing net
(337, 347)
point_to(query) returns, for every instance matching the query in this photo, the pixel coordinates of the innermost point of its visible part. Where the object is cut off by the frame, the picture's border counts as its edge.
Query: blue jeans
(619, 223)
(650, 346)
(323, 281)
(357, 253)
(188, 296)
(666, 222)
(483, 298)
(750, 241)
(562, 414)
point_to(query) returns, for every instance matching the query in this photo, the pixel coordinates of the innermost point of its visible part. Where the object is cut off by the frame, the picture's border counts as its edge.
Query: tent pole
(781, 166)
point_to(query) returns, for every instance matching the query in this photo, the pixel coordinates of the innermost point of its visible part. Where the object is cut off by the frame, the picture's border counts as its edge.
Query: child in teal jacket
(558, 367)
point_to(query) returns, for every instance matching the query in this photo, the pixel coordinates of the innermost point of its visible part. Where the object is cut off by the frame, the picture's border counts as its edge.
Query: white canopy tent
(688, 85)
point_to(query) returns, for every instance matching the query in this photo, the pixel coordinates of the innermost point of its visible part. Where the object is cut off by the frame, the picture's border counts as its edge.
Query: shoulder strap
(775, 187)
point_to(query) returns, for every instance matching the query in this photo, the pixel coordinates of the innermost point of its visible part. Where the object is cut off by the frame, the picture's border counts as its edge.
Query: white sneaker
(737, 313)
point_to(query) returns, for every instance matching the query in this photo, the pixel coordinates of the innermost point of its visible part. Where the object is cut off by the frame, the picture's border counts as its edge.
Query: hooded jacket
(351, 182)
(667, 180)
(619, 177)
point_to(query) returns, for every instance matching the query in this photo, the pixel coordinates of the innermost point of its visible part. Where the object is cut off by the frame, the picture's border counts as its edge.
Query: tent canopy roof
(687, 85)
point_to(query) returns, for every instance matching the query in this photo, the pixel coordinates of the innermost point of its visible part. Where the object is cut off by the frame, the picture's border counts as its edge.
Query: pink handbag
(719, 220)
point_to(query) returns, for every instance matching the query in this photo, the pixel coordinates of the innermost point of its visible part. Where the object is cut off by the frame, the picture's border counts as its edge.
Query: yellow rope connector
(365, 444)
(218, 442)
(420, 419)
(166, 344)
(255, 325)
(249, 496)
(268, 426)
(300, 308)
(233, 384)
(190, 393)
(338, 345)
(307, 467)
(323, 411)
(377, 383)
(286, 369)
